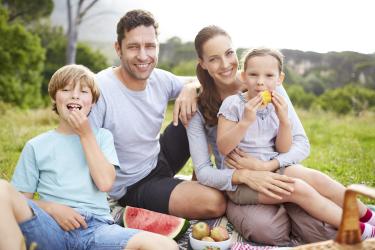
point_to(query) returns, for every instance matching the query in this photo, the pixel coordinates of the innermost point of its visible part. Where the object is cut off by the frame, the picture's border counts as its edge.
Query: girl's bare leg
(311, 201)
(322, 183)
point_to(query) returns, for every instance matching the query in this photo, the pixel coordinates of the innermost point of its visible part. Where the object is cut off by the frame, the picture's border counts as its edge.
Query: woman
(269, 224)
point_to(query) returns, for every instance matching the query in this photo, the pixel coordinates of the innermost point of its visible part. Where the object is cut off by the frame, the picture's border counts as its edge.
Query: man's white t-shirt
(135, 119)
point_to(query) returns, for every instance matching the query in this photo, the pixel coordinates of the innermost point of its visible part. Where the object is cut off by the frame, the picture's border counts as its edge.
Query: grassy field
(341, 146)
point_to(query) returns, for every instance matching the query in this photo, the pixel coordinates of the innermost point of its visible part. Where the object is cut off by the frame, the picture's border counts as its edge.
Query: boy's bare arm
(101, 171)
(65, 216)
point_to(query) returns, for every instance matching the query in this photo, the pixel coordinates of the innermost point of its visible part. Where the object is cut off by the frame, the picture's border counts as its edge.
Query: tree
(54, 41)
(27, 11)
(74, 21)
(21, 64)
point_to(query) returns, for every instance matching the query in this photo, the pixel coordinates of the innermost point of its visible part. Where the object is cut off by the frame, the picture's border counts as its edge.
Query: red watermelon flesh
(164, 224)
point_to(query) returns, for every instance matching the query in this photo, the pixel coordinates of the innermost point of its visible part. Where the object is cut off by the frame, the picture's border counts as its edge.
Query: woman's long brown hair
(209, 100)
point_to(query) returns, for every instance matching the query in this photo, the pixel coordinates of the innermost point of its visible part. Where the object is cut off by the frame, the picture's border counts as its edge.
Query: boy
(71, 168)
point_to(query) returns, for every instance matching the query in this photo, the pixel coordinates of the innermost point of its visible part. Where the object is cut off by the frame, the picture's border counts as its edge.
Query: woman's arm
(200, 155)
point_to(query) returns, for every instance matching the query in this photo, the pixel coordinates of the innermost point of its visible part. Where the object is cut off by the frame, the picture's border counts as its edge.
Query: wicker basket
(349, 234)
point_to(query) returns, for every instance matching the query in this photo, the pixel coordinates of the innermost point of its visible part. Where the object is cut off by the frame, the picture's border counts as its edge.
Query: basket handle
(349, 231)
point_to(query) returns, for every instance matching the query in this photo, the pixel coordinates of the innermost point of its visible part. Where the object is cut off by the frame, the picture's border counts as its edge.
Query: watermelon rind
(155, 217)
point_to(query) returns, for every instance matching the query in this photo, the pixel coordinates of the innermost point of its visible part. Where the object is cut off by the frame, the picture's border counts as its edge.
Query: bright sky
(315, 25)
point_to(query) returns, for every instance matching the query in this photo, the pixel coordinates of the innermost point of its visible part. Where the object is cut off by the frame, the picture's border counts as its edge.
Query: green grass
(341, 146)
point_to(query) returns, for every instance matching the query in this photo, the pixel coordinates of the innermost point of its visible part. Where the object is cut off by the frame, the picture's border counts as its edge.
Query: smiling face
(220, 60)
(138, 53)
(72, 97)
(261, 73)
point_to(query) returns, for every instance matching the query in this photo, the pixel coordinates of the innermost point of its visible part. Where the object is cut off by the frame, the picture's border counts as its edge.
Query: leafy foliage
(54, 41)
(28, 11)
(347, 99)
(21, 64)
(299, 97)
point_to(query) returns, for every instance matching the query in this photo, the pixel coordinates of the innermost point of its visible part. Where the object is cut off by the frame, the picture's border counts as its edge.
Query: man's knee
(217, 205)
(266, 224)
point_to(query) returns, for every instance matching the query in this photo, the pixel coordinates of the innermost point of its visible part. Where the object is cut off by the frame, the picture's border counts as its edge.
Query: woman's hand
(268, 183)
(238, 159)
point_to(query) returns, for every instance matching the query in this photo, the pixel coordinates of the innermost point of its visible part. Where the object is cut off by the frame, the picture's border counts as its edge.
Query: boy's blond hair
(72, 73)
(263, 51)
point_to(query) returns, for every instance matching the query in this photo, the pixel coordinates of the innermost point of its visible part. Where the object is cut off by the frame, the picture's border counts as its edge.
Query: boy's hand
(79, 122)
(281, 107)
(66, 217)
(251, 107)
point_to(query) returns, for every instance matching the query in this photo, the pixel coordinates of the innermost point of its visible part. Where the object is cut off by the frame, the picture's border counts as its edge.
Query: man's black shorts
(153, 192)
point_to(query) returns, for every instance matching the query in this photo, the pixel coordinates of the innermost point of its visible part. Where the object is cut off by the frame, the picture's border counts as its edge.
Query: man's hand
(268, 183)
(185, 105)
(65, 216)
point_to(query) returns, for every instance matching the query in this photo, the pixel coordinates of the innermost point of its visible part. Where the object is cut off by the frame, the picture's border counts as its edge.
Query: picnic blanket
(239, 243)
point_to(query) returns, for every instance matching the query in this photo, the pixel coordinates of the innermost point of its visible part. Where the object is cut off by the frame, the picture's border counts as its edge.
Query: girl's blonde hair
(262, 51)
(72, 73)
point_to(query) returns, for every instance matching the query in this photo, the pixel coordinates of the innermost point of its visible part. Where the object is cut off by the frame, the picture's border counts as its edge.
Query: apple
(219, 233)
(266, 97)
(200, 230)
(207, 238)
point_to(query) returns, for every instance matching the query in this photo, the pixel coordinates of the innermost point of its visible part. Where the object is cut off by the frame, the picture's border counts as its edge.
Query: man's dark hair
(132, 20)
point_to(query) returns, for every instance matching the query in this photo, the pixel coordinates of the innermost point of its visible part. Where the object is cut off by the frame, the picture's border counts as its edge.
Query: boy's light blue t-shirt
(54, 165)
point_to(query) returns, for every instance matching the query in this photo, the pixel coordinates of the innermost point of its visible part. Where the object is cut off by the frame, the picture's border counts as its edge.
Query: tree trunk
(73, 26)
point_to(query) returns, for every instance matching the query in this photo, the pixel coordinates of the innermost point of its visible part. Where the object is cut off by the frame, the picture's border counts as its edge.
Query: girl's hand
(281, 107)
(251, 107)
(237, 159)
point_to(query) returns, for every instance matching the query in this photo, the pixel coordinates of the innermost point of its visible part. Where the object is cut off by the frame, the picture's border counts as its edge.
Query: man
(134, 99)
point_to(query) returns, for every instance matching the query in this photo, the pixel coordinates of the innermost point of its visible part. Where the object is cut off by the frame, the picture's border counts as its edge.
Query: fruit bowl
(208, 245)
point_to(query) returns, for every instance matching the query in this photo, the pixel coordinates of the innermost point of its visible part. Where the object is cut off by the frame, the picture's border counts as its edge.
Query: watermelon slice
(164, 224)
